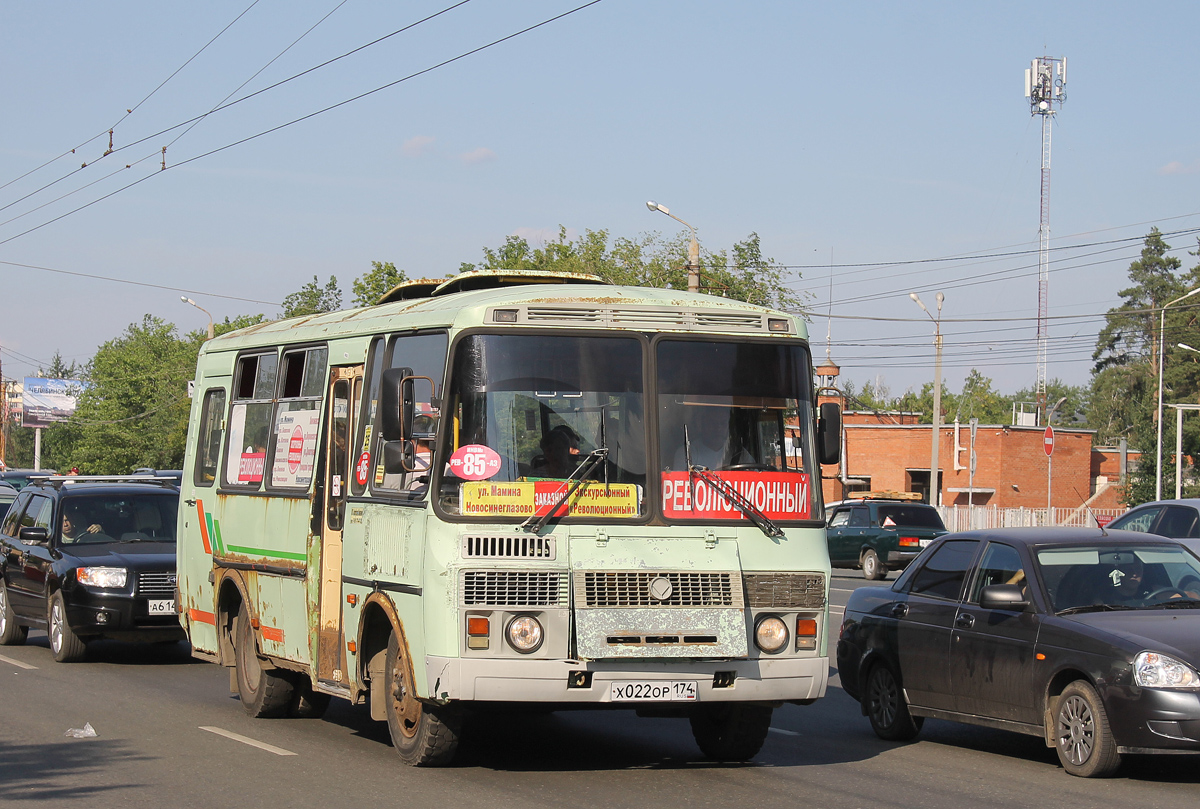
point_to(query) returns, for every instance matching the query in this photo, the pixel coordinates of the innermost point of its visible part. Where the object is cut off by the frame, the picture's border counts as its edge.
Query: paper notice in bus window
(295, 447)
(250, 468)
(779, 495)
(534, 499)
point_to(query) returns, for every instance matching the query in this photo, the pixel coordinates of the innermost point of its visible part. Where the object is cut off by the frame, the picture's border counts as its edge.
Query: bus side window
(250, 420)
(208, 452)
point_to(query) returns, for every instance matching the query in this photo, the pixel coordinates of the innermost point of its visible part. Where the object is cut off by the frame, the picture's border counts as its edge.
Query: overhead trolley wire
(129, 111)
(314, 114)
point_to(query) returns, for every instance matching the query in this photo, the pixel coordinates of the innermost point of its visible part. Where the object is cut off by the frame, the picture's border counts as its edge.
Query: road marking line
(842, 610)
(16, 663)
(279, 751)
(783, 732)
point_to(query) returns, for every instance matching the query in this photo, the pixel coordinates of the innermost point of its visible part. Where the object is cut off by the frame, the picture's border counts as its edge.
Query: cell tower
(1045, 84)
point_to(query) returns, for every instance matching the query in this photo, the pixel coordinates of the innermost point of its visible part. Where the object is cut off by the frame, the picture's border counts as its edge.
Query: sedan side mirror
(34, 535)
(1003, 597)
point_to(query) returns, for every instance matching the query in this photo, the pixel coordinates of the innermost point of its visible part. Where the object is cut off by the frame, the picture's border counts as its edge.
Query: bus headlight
(112, 578)
(770, 634)
(525, 634)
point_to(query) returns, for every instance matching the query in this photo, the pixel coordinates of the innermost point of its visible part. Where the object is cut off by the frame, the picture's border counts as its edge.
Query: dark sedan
(1090, 640)
(85, 558)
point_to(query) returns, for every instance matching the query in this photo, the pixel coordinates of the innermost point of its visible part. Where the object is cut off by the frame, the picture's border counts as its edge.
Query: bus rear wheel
(729, 731)
(423, 735)
(264, 692)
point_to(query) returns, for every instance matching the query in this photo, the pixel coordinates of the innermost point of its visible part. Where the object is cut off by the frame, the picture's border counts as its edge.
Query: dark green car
(879, 535)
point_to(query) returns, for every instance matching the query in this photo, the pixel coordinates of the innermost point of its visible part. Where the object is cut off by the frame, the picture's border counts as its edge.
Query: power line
(139, 283)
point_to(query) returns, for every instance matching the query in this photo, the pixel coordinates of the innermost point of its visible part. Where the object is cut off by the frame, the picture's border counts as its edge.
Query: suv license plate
(652, 691)
(161, 606)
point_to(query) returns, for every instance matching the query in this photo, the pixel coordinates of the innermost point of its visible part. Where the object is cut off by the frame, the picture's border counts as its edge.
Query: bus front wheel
(423, 735)
(729, 731)
(264, 692)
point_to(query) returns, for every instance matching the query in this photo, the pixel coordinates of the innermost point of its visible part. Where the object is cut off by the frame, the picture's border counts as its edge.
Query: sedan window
(840, 517)
(1141, 519)
(1177, 522)
(1001, 565)
(943, 573)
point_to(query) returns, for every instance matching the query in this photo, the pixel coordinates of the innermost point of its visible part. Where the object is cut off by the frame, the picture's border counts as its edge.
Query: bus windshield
(735, 409)
(527, 411)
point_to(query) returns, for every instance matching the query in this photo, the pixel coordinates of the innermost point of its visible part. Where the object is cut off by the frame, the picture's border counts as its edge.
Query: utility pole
(1045, 81)
(3, 418)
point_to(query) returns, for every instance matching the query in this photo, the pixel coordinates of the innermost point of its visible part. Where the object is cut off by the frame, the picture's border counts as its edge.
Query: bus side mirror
(391, 403)
(829, 433)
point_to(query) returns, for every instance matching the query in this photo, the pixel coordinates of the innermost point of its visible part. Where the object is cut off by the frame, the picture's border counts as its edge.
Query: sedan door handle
(965, 620)
(899, 610)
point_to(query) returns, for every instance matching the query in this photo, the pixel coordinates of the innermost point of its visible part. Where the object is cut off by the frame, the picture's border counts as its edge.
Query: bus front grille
(779, 591)
(512, 588)
(609, 589)
(507, 546)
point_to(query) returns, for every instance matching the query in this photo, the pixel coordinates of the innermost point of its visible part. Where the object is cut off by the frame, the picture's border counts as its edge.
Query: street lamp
(693, 268)
(191, 302)
(1162, 321)
(935, 484)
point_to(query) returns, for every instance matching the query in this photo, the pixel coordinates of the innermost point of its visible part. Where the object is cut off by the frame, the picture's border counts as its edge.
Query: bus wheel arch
(231, 595)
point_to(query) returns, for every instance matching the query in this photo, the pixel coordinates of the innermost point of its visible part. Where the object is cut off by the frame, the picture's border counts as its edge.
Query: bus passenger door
(345, 391)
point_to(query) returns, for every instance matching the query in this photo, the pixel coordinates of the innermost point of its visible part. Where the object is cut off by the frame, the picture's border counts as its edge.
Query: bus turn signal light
(478, 632)
(806, 633)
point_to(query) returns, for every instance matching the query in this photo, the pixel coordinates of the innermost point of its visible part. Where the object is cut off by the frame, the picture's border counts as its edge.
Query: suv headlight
(1154, 670)
(108, 577)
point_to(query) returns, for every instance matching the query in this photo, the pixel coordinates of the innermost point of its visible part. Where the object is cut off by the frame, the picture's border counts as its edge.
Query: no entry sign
(1048, 440)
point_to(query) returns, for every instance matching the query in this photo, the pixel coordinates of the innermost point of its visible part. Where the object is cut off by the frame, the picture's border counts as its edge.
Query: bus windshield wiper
(575, 479)
(731, 495)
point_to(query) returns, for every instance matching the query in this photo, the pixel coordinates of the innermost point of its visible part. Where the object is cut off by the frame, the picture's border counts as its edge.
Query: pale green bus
(512, 487)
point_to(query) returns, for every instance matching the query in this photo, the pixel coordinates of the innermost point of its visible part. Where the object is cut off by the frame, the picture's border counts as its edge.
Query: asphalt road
(171, 735)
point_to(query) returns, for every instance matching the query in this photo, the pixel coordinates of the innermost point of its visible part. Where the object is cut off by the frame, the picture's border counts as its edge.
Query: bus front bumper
(509, 680)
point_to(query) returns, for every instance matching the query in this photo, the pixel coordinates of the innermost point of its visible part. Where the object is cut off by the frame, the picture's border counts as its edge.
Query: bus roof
(536, 304)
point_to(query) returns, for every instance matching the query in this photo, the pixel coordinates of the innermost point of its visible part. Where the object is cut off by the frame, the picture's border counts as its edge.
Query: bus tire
(423, 735)
(264, 693)
(730, 731)
(11, 633)
(64, 643)
(307, 703)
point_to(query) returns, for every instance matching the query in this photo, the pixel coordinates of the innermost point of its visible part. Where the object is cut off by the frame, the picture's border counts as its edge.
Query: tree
(135, 411)
(1073, 410)
(313, 299)
(371, 286)
(1124, 392)
(648, 260)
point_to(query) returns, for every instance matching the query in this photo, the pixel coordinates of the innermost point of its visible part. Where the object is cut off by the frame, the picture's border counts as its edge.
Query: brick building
(892, 451)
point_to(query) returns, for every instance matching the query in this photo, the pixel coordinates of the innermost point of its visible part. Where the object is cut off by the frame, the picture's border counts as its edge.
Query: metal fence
(965, 518)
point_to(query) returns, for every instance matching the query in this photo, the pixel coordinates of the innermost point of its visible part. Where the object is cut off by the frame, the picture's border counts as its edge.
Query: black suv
(883, 531)
(88, 557)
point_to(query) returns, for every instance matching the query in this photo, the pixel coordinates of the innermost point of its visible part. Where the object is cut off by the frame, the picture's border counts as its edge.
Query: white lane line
(16, 663)
(270, 748)
(783, 732)
(842, 610)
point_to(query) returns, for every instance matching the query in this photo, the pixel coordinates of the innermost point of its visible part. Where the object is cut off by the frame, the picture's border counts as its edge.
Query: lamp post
(1162, 321)
(191, 302)
(693, 268)
(1179, 432)
(935, 484)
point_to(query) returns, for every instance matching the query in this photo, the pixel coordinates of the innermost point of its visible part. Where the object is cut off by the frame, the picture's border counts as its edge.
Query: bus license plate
(162, 606)
(652, 691)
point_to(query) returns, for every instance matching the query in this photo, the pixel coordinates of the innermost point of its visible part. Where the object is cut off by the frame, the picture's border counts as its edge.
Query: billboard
(48, 401)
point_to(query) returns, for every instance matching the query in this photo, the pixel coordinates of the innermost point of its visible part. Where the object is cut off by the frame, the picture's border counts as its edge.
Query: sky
(876, 149)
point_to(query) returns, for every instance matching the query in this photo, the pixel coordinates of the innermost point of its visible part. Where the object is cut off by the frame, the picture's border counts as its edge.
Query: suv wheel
(66, 645)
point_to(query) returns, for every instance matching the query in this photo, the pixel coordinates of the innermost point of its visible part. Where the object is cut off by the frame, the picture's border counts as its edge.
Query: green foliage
(135, 411)
(743, 273)
(313, 299)
(371, 286)
(1123, 400)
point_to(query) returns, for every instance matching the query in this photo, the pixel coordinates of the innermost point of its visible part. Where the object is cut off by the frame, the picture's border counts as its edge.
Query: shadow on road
(120, 653)
(59, 772)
